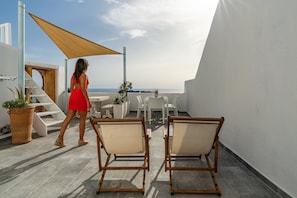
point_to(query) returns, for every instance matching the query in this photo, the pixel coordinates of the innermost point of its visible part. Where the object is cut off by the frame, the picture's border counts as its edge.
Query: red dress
(77, 101)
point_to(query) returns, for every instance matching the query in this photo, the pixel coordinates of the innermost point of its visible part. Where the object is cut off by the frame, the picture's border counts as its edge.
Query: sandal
(81, 142)
(59, 142)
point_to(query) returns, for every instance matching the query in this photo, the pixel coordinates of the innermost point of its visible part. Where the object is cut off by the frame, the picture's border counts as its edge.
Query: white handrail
(7, 77)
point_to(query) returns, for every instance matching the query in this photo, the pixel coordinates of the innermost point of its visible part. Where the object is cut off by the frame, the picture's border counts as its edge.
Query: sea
(115, 90)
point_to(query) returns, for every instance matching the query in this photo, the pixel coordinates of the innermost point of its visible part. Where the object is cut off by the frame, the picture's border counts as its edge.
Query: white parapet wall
(181, 101)
(248, 75)
(9, 67)
(5, 33)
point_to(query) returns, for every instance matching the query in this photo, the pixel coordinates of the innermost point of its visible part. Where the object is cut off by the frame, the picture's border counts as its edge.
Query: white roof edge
(41, 65)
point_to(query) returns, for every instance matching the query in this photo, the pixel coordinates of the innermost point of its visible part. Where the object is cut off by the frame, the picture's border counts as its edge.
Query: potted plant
(123, 91)
(121, 103)
(21, 116)
(118, 107)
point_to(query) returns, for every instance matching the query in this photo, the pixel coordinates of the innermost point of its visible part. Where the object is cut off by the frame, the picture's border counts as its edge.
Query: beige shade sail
(72, 45)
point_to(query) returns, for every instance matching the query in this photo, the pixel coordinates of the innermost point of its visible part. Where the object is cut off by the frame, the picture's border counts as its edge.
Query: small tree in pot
(124, 88)
(121, 101)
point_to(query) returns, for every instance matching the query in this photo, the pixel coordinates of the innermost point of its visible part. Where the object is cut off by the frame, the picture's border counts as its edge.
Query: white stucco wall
(9, 66)
(248, 75)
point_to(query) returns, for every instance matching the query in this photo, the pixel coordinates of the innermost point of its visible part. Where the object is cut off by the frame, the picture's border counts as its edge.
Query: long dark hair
(80, 66)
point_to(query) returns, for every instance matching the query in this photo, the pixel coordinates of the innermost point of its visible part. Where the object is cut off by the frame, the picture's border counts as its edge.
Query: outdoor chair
(127, 140)
(187, 140)
(172, 107)
(156, 104)
(140, 106)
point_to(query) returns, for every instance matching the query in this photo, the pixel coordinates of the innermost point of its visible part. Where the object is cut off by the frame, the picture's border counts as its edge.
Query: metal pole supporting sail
(66, 89)
(21, 45)
(124, 54)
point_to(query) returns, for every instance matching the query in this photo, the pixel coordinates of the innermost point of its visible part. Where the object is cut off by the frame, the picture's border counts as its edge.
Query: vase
(126, 108)
(118, 110)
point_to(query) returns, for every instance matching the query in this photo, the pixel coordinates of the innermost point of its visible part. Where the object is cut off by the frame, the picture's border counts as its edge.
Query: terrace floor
(39, 169)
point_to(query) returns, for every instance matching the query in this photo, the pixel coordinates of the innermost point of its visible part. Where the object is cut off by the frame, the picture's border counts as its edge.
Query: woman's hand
(89, 104)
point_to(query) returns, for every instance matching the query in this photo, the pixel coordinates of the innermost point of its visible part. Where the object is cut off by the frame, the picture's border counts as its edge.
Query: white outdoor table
(97, 101)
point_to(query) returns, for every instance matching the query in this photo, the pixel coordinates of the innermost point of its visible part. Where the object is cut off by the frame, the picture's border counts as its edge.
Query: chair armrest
(149, 133)
(165, 133)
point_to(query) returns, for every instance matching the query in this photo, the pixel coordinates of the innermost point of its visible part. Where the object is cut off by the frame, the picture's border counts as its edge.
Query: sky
(164, 39)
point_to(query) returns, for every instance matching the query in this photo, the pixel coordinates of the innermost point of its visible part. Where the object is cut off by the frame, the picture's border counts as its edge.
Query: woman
(78, 101)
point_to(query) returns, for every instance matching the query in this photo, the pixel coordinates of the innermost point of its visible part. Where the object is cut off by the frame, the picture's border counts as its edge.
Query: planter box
(118, 110)
(126, 108)
(121, 110)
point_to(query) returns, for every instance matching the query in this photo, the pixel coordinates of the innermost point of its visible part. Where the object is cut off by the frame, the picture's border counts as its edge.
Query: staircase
(51, 115)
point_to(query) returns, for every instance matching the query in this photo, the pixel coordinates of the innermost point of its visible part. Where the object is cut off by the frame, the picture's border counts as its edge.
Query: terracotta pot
(21, 124)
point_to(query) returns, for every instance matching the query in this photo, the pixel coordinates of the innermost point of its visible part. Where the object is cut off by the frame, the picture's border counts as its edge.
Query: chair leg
(170, 175)
(103, 174)
(150, 116)
(144, 171)
(163, 116)
(138, 113)
(212, 173)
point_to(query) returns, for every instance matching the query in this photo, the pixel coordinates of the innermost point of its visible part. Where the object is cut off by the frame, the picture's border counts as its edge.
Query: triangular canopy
(72, 45)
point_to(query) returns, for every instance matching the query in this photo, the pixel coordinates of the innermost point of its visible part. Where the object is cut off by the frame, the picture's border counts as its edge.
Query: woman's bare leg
(69, 117)
(82, 127)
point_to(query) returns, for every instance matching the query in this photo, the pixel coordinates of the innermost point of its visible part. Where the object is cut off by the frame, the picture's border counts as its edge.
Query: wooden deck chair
(125, 138)
(187, 138)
